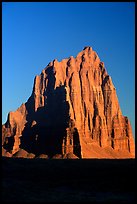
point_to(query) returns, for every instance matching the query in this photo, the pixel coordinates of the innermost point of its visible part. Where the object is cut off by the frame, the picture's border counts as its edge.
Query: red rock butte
(73, 112)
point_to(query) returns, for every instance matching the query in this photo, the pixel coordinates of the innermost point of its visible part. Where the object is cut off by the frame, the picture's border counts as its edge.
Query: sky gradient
(35, 33)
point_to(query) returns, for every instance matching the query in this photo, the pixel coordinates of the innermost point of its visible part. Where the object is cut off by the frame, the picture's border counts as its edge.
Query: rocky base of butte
(73, 112)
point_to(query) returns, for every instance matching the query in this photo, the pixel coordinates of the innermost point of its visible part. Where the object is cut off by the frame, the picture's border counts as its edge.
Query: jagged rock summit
(73, 112)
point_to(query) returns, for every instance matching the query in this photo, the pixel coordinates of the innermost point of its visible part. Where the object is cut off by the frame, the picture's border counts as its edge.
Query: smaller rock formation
(70, 156)
(43, 156)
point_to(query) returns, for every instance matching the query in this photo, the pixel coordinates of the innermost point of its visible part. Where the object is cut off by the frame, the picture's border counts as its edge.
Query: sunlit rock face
(73, 112)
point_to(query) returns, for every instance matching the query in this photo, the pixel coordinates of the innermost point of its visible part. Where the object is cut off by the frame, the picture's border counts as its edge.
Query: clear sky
(35, 33)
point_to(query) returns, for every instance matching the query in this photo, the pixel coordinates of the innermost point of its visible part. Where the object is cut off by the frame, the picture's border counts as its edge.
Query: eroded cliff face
(73, 110)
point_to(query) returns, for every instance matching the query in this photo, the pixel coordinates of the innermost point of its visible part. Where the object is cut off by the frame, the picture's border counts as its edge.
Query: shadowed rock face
(73, 110)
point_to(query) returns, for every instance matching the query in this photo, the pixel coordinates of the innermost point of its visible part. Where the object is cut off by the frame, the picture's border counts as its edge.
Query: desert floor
(78, 180)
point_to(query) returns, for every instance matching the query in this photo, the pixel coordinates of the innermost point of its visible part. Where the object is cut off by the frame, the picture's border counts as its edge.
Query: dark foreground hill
(57, 180)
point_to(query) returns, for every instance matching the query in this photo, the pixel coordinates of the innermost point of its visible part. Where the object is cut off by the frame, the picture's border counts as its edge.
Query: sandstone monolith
(73, 110)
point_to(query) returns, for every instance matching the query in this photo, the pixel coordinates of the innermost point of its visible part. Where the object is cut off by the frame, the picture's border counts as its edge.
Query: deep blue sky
(33, 34)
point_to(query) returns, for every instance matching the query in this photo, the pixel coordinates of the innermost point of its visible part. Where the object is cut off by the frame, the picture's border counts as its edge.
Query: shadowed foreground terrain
(55, 180)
